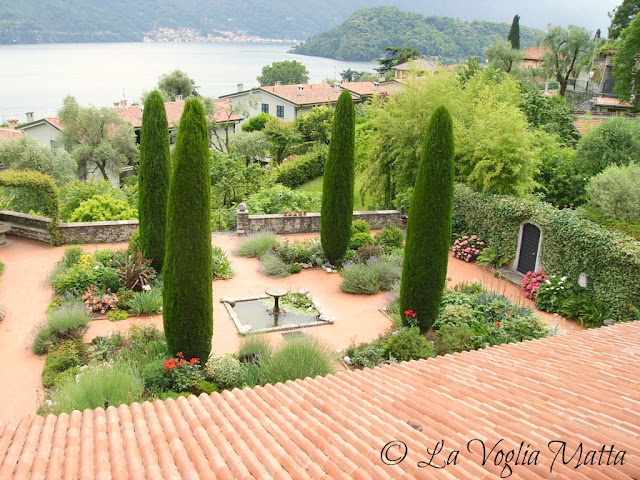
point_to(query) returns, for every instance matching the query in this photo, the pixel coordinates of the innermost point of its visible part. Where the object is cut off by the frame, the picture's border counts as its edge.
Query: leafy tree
(232, 180)
(502, 56)
(257, 122)
(288, 72)
(561, 180)
(396, 56)
(98, 139)
(615, 192)
(337, 187)
(315, 126)
(27, 154)
(153, 179)
(187, 288)
(177, 83)
(552, 114)
(514, 33)
(349, 75)
(283, 139)
(568, 49)
(465, 72)
(251, 146)
(614, 142)
(626, 64)
(622, 16)
(424, 269)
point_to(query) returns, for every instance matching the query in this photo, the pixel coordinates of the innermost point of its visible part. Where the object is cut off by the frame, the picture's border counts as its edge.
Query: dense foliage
(187, 293)
(153, 179)
(365, 35)
(302, 169)
(611, 264)
(28, 154)
(287, 72)
(338, 181)
(625, 64)
(429, 229)
(614, 142)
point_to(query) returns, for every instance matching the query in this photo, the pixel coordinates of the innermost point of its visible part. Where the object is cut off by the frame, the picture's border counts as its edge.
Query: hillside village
(430, 271)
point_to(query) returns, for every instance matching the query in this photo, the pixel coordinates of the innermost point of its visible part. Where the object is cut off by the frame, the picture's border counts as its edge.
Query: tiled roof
(535, 52)
(312, 93)
(363, 88)
(53, 121)
(611, 102)
(420, 64)
(133, 113)
(581, 389)
(9, 134)
(585, 125)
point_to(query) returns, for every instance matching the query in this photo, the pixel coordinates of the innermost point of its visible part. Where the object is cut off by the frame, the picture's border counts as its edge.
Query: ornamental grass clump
(273, 266)
(222, 268)
(369, 278)
(69, 321)
(146, 302)
(298, 358)
(254, 246)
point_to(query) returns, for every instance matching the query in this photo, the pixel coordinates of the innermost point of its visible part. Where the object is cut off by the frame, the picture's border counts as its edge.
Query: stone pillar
(242, 215)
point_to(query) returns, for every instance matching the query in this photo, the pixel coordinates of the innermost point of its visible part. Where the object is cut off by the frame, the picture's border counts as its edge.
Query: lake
(35, 78)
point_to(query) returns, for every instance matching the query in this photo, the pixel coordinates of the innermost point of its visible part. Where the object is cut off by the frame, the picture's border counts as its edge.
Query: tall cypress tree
(514, 33)
(429, 228)
(337, 187)
(187, 288)
(153, 179)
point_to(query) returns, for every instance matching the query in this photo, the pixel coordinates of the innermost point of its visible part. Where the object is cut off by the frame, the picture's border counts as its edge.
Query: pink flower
(473, 237)
(102, 311)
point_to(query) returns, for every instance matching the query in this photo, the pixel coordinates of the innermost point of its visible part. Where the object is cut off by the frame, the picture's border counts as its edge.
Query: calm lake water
(35, 78)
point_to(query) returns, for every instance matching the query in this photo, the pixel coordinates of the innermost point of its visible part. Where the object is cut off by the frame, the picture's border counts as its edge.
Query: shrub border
(43, 184)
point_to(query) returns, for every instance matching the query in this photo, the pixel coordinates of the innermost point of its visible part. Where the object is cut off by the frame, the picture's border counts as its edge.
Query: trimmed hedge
(306, 167)
(570, 244)
(45, 186)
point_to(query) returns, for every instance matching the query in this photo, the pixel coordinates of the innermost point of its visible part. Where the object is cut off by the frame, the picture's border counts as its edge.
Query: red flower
(410, 313)
(498, 324)
(193, 361)
(170, 364)
(182, 361)
(179, 354)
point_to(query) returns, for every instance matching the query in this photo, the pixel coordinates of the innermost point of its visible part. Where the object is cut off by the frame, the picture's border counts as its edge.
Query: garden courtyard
(25, 293)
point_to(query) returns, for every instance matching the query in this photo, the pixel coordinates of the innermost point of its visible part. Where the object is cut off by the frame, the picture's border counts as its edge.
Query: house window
(53, 144)
(280, 111)
(172, 139)
(265, 108)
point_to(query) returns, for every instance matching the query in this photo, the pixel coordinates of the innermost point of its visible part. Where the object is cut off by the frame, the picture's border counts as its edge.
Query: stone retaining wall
(377, 219)
(37, 228)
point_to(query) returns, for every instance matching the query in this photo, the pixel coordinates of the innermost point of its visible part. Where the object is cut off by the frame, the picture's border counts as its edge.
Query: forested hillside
(366, 34)
(45, 21)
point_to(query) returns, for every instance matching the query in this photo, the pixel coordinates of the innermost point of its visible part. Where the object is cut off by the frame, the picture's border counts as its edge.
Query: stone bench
(3, 229)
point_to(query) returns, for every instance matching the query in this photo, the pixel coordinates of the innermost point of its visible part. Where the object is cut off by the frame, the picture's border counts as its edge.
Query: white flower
(146, 288)
(564, 279)
(548, 281)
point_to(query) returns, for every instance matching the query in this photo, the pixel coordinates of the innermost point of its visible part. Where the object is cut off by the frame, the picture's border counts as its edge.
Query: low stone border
(246, 329)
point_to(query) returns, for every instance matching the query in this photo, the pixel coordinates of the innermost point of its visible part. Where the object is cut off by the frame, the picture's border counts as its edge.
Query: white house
(46, 130)
(288, 102)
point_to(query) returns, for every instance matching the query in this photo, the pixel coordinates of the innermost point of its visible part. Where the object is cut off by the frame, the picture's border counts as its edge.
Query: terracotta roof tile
(535, 52)
(364, 89)
(133, 114)
(306, 94)
(611, 101)
(9, 134)
(583, 387)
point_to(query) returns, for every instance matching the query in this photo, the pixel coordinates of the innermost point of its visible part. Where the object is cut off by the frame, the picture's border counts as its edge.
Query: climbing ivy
(571, 244)
(42, 184)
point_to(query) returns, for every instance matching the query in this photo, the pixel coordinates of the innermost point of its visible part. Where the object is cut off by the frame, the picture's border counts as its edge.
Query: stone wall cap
(10, 213)
(112, 223)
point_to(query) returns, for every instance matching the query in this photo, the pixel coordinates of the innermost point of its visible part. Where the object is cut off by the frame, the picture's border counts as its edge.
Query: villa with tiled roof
(288, 102)
(564, 407)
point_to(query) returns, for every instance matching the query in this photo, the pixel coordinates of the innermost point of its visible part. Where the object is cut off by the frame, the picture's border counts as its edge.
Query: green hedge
(306, 167)
(570, 245)
(45, 186)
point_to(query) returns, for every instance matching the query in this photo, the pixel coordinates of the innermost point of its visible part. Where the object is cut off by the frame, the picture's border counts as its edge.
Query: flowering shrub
(184, 374)
(410, 318)
(467, 248)
(531, 283)
(552, 294)
(100, 304)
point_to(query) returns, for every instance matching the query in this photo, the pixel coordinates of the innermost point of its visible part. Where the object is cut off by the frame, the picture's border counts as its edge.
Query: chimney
(376, 86)
(179, 98)
(116, 104)
(383, 78)
(336, 87)
(240, 87)
(300, 90)
(278, 83)
(123, 103)
(29, 116)
(13, 123)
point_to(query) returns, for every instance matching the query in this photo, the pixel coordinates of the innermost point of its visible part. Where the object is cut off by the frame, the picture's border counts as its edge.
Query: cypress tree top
(514, 33)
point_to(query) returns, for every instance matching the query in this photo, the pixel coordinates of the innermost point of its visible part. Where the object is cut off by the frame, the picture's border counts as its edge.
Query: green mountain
(366, 34)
